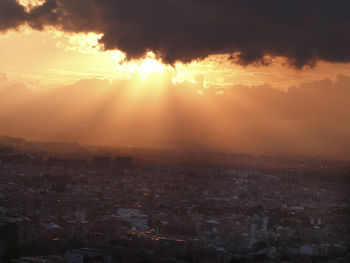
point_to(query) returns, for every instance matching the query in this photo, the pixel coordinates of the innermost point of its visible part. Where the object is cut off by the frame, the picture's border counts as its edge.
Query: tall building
(87, 255)
(8, 240)
(123, 163)
(102, 162)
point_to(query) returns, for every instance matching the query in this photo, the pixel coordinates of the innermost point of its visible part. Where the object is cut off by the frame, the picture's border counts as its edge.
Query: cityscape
(174, 131)
(71, 203)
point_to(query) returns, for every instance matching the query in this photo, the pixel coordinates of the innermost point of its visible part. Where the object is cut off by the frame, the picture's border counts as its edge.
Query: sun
(143, 67)
(149, 66)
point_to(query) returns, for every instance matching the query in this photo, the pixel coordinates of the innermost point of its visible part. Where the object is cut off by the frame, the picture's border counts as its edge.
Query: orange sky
(60, 86)
(53, 58)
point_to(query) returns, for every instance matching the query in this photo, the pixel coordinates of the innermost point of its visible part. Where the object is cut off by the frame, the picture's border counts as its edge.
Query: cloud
(309, 119)
(12, 15)
(302, 31)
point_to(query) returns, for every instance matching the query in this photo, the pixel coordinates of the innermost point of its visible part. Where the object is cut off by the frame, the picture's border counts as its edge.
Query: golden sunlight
(143, 67)
(29, 4)
(148, 66)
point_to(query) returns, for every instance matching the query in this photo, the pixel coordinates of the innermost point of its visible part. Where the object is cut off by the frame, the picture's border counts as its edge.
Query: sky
(238, 76)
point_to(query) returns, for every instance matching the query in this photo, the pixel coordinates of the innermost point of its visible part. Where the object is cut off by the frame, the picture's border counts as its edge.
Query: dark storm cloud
(12, 15)
(304, 31)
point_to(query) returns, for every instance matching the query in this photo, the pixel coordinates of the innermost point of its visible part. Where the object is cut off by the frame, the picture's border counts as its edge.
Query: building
(123, 163)
(8, 240)
(137, 220)
(87, 255)
(45, 259)
(102, 162)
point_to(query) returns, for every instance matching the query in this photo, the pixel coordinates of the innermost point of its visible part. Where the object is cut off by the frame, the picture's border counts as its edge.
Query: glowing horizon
(97, 96)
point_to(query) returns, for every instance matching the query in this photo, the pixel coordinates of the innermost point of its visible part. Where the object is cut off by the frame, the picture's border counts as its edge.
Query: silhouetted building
(55, 162)
(9, 240)
(16, 158)
(123, 163)
(77, 163)
(102, 162)
(6, 150)
(66, 163)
